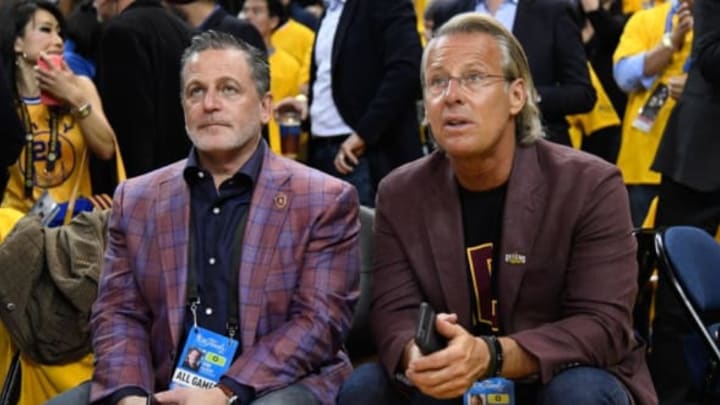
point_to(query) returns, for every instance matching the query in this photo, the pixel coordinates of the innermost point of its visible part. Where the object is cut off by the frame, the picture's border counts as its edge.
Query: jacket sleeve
(708, 41)
(121, 319)
(401, 66)
(600, 288)
(124, 70)
(573, 93)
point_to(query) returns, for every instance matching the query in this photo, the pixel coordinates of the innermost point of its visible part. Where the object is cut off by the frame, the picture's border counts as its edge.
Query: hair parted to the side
(514, 64)
(259, 67)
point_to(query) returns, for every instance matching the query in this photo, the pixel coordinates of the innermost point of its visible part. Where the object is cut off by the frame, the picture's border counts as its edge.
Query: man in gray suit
(523, 246)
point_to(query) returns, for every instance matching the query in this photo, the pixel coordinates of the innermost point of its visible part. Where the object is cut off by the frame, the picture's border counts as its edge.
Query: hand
(133, 400)
(590, 5)
(192, 396)
(60, 82)
(683, 26)
(450, 372)
(676, 85)
(298, 104)
(350, 151)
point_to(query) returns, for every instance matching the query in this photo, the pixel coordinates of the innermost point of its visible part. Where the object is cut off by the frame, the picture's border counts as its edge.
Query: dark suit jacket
(551, 39)
(689, 149)
(376, 79)
(221, 21)
(139, 81)
(568, 300)
(297, 287)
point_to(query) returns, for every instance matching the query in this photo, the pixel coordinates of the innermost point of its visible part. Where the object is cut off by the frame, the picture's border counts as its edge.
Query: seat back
(646, 260)
(690, 259)
(359, 342)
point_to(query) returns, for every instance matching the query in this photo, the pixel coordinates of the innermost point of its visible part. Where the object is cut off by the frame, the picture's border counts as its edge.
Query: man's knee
(584, 385)
(368, 384)
(293, 394)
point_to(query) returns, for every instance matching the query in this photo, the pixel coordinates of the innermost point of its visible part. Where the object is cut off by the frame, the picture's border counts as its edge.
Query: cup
(289, 122)
(56, 60)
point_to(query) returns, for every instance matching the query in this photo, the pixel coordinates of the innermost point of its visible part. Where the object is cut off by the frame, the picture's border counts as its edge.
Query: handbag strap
(76, 186)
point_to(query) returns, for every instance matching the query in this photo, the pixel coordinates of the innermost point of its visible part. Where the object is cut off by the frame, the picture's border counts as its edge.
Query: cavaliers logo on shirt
(480, 261)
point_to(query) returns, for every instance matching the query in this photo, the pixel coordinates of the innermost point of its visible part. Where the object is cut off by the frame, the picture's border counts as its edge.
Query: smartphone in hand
(426, 336)
(57, 61)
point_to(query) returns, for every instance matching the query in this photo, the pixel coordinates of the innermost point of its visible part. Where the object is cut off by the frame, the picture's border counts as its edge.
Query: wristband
(496, 356)
(83, 111)
(229, 393)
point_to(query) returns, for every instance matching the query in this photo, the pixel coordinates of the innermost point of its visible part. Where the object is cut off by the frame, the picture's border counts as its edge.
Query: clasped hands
(448, 373)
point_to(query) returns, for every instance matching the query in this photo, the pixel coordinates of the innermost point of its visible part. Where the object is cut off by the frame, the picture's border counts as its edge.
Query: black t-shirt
(482, 214)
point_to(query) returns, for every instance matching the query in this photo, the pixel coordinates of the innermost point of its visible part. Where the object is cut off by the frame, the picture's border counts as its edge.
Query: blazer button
(10, 306)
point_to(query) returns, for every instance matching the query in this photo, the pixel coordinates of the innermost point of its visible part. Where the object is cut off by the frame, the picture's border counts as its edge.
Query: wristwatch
(667, 41)
(230, 394)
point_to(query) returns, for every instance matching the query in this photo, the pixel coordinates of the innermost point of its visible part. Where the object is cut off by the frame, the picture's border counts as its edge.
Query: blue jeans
(369, 384)
(322, 157)
(294, 394)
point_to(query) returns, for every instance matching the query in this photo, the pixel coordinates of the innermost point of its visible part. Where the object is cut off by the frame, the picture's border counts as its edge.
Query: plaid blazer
(297, 288)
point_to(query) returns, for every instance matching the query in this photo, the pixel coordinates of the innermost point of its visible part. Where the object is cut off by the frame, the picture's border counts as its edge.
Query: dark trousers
(321, 155)
(369, 384)
(677, 205)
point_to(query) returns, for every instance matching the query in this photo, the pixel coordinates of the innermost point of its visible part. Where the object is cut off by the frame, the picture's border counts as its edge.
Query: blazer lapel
(269, 209)
(172, 223)
(524, 204)
(342, 28)
(445, 231)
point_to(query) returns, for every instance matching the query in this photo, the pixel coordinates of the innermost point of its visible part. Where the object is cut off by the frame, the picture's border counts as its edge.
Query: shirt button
(201, 175)
(211, 261)
(208, 311)
(216, 210)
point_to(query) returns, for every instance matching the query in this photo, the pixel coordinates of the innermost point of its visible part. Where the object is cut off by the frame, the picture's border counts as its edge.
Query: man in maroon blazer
(524, 247)
(174, 260)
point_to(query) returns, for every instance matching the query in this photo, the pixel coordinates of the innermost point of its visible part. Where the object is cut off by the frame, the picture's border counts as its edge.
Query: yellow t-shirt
(285, 81)
(644, 32)
(602, 115)
(67, 171)
(419, 14)
(39, 382)
(297, 40)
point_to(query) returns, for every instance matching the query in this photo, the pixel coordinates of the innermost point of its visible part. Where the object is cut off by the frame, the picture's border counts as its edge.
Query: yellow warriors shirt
(58, 180)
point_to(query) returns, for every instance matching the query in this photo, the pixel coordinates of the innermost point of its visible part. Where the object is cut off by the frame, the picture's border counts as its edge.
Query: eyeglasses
(471, 82)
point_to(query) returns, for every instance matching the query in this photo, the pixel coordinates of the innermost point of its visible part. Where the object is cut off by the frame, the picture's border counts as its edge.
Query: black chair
(690, 259)
(647, 262)
(359, 343)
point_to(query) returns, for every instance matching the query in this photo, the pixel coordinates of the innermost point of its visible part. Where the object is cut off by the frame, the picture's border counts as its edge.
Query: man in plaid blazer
(298, 267)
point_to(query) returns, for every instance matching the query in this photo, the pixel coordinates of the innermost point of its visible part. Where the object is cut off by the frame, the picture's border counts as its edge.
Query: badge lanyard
(29, 171)
(193, 296)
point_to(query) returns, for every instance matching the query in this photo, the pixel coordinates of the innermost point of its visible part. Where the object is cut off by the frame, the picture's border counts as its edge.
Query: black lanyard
(29, 170)
(193, 296)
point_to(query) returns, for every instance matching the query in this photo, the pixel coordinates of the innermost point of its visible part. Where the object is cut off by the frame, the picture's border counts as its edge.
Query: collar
(194, 173)
(331, 5)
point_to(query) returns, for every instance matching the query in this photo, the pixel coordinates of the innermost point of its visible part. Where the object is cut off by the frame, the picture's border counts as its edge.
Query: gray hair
(256, 59)
(514, 65)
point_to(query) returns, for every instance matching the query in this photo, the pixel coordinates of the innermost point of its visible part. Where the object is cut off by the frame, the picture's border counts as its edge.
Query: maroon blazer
(298, 282)
(568, 301)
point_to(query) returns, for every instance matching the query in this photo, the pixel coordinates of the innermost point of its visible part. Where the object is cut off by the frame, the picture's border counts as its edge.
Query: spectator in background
(12, 134)
(60, 110)
(208, 15)
(139, 64)
(551, 39)
(286, 79)
(689, 193)
(649, 65)
(362, 111)
(298, 13)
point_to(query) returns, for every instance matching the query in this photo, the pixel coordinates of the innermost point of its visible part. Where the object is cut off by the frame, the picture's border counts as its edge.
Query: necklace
(29, 170)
